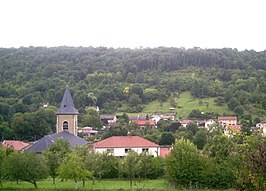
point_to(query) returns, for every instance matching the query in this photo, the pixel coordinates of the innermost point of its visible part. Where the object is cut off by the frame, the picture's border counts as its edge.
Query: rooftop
(16, 145)
(124, 142)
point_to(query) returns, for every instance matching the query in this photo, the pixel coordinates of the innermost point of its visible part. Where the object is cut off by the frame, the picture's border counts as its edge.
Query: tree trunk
(76, 184)
(35, 184)
(54, 179)
(83, 183)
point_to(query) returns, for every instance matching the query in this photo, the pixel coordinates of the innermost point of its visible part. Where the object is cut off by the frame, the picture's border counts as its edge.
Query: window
(145, 150)
(65, 126)
(127, 150)
(111, 151)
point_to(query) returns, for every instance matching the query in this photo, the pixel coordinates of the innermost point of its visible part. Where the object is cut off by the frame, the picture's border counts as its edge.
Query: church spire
(67, 106)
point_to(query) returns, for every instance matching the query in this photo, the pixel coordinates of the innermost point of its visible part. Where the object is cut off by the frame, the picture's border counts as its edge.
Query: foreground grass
(158, 184)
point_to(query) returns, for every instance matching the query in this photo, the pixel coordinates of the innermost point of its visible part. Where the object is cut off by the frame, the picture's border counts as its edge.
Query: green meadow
(185, 104)
(157, 185)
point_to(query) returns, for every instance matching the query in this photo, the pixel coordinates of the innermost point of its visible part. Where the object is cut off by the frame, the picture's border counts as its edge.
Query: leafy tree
(252, 172)
(131, 165)
(27, 167)
(220, 147)
(200, 138)
(73, 168)
(167, 138)
(183, 165)
(233, 103)
(55, 155)
(193, 128)
(239, 110)
(134, 100)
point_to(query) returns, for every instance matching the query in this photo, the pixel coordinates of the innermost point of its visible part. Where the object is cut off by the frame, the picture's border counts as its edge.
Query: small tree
(131, 164)
(74, 168)
(27, 167)
(55, 155)
(200, 138)
(183, 166)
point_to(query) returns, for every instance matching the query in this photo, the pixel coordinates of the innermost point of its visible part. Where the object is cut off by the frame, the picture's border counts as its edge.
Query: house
(209, 123)
(165, 151)
(155, 118)
(262, 125)
(168, 117)
(16, 145)
(145, 123)
(131, 118)
(44, 143)
(120, 146)
(108, 119)
(88, 131)
(227, 120)
(232, 129)
(185, 122)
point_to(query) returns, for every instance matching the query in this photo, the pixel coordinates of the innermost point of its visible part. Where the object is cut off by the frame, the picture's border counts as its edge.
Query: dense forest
(111, 78)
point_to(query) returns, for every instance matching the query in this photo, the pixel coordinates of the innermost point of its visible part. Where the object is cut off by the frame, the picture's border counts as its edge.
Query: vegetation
(126, 80)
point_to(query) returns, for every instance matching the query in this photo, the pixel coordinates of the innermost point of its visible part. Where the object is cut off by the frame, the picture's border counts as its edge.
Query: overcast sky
(237, 24)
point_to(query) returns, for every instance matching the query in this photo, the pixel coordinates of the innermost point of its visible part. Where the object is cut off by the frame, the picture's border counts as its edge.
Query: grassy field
(159, 184)
(185, 104)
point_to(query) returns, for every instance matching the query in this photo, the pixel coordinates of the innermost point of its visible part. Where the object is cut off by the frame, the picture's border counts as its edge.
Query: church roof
(67, 106)
(43, 143)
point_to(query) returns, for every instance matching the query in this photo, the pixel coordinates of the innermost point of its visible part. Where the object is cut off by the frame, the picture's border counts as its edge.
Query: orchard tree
(27, 167)
(55, 155)
(73, 168)
(183, 165)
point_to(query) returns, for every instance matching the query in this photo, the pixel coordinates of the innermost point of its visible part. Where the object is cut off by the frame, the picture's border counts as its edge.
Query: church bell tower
(67, 115)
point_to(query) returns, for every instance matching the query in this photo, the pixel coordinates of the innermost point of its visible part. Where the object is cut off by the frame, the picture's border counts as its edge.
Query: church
(66, 127)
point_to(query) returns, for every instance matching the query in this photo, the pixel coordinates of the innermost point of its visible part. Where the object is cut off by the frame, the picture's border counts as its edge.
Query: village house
(227, 120)
(231, 130)
(108, 119)
(185, 122)
(88, 131)
(262, 126)
(120, 146)
(16, 145)
(142, 124)
(131, 118)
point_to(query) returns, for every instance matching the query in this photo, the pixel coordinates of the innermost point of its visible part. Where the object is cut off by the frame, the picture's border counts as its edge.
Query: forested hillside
(125, 79)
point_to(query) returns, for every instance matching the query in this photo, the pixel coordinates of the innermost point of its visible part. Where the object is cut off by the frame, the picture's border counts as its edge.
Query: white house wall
(154, 151)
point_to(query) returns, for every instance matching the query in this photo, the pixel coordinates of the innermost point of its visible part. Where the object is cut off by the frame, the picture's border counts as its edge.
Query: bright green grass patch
(185, 104)
(158, 184)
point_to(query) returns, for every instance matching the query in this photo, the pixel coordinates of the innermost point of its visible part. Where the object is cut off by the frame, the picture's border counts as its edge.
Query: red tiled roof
(164, 151)
(235, 127)
(144, 122)
(16, 145)
(227, 118)
(185, 121)
(124, 142)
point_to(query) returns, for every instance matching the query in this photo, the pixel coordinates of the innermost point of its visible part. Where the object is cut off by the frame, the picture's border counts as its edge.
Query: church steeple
(67, 115)
(67, 104)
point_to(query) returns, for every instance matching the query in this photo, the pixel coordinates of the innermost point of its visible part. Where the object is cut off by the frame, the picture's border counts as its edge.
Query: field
(159, 184)
(185, 104)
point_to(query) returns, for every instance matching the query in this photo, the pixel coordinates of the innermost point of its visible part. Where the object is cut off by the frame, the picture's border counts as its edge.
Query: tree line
(238, 161)
(124, 80)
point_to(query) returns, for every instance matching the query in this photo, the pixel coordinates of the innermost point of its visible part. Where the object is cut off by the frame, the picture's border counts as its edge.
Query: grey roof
(43, 143)
(67, 106)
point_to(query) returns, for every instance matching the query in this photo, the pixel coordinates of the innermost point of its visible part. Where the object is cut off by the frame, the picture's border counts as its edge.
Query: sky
(237, 24)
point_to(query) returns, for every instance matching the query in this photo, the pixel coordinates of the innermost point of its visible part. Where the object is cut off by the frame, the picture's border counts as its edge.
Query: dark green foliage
(167, 138)
(26, 167)
(183, 167)
(200, 138)
(108, 77)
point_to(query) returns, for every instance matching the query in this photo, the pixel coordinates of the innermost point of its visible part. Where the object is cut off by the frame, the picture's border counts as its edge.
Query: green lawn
(160, 184)
(186, 103)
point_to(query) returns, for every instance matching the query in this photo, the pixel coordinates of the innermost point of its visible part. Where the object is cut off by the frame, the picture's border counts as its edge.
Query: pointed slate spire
(67, 106)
